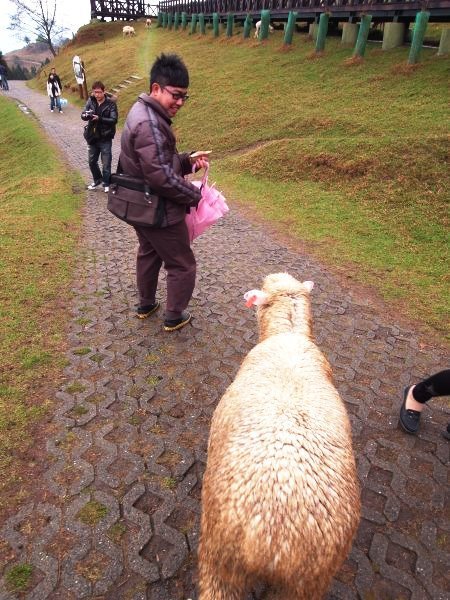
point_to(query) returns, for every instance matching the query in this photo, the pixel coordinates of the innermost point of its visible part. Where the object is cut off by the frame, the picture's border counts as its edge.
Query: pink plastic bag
(211, 208)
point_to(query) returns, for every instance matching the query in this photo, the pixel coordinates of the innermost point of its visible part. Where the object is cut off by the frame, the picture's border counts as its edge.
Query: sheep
(280, 495)
(148, 23)
(128, 31)
(258, 27)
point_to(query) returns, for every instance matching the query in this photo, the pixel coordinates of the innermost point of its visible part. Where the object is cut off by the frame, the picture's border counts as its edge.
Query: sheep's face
(283, 283)
(283, 304)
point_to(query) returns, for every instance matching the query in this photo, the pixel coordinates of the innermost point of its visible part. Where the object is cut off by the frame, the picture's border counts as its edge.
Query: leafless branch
(37, 18)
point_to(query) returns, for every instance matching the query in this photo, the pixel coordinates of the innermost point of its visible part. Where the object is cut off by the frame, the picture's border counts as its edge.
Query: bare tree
(37, 18)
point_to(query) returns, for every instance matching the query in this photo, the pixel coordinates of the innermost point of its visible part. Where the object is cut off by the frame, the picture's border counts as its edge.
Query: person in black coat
(54, 92)
(101, 114)
(56, 77)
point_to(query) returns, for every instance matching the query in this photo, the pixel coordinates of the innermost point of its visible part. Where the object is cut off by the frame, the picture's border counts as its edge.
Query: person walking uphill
(101, 113)
(148, 151)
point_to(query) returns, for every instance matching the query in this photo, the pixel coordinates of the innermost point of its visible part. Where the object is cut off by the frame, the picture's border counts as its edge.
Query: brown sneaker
(173, 324)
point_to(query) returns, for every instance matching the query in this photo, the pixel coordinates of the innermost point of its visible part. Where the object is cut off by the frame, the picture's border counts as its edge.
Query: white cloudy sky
(70, 13)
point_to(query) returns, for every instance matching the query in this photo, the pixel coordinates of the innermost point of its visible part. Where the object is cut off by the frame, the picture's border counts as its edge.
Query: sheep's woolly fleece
(280, 493)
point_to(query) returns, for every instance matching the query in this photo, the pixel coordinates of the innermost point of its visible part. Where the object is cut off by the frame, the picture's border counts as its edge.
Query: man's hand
(94, 118)
(200, 163)
(199, 160)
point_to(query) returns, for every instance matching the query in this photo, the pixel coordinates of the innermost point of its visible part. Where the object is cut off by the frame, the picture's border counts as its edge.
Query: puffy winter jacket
(148, 151)
(53, 89)
(107, 113)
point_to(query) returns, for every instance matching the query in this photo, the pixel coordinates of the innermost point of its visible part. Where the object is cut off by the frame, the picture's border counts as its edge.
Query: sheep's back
(280, 483)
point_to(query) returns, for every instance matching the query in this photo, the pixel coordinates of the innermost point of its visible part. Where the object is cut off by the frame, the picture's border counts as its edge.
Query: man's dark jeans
(94, 151)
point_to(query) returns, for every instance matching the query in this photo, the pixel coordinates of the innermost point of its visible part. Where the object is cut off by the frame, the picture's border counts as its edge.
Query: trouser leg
(52, 103)
(436, 385)
(106, 152)
(58, 103)
(148, 265)
(179, 262)
(93, 154)
(172, 246)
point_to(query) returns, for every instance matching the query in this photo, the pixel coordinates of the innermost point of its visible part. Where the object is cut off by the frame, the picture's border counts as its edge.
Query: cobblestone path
(117, 512)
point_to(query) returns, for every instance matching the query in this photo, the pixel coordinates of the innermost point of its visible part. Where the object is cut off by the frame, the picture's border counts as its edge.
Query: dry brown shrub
(285, 48)
(354, 61)
(226, 40)
(326, 163)
(405, 68)
(314, 55)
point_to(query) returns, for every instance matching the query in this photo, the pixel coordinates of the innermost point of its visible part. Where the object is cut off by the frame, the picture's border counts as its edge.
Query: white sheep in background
(148, 23)
(128, 31)
(258, 27)
(280, 497)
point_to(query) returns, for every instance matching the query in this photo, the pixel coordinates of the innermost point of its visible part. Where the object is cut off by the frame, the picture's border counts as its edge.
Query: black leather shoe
(143, 312)
(409, 419)
(173, 324)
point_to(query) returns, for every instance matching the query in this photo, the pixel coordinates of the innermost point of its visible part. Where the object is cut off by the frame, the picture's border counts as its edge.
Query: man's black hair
(169, 69)
(98, 85)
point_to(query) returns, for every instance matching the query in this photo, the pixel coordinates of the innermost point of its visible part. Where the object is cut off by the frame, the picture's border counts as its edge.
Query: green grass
(92, 512)
(348, 159)
(38, 233)
(18, 577)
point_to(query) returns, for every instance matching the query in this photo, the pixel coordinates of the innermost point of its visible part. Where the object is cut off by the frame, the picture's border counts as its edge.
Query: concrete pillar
(420, 27)
(363, 34)
(193, 23)
(349, 34)
(289, 28)
(394, 34)
(265, 23)
(313, 29)
(444, 45)
(230, 23)
(216, 24)
(201, 23)
(322, 32)
(247, 26)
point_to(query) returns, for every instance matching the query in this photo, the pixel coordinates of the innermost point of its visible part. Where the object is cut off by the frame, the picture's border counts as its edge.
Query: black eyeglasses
(176, 95)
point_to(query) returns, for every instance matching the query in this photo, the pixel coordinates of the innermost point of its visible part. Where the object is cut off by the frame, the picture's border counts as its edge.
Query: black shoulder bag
(131, 200)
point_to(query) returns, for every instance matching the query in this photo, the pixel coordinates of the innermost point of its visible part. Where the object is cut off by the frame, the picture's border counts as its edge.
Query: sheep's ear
(255, 298)
(308, 285)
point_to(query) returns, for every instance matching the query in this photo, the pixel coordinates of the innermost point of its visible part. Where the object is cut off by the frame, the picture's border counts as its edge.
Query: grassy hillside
(349, 160)
(38, 232)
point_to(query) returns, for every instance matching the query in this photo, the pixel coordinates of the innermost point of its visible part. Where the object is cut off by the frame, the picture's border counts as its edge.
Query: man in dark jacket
(148, 151)
(101, 113)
